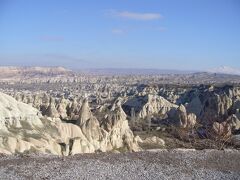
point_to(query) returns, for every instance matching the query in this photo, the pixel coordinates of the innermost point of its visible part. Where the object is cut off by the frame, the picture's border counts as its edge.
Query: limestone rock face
(51, 110)
(221, 129)
(114, 132)
(94, 133)
(73, 110)
(234, 122)
(23, 129)
(148, 105)
(216, 106)
(236, 105)
(213, 104)
(154, 140)
(225, 128)
(16, 114)
(14, 145)
(195, 106)
(62, 108)
(74, 139)
(85, 113)
(91, 127)
(49, 106)
(191, 120)
(120, 134)
(182, 118)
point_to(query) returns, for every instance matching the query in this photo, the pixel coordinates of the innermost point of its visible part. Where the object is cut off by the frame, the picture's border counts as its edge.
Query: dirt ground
(152, 164)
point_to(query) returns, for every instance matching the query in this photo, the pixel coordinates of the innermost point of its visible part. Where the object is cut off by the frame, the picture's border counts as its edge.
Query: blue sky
(164, 34)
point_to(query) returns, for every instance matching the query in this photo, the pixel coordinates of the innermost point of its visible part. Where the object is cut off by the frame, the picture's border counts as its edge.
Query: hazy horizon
(156, 34)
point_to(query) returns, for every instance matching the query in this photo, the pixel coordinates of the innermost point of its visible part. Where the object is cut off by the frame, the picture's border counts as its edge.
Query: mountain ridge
(225, 70)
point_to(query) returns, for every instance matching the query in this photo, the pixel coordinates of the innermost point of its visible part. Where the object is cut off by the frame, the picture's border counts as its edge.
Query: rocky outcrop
(181, 118)
(73, 139)
(221, 130)
(195, 106)
(120, 134)
(62, 108)
(212, 104)
(114, 132)
(191, 121)
(51, 106)
(216, 107)
(91, 127)
(226, 128)
(154, 140)
(23, 129)
(84, 114)
(148, 105)
(73, 109)
(236, 140)
(233, 122)
(15, 114)
(51, 110)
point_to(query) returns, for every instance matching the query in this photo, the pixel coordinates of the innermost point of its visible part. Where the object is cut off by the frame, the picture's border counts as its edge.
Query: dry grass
(175, 137)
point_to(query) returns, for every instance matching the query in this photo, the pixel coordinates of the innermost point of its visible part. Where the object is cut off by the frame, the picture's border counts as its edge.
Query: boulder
(154, 140)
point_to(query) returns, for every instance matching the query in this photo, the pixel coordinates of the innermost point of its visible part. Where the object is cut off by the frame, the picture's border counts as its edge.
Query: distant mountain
(11, 72)
(225, 70)
(35, 69)
(132, 71)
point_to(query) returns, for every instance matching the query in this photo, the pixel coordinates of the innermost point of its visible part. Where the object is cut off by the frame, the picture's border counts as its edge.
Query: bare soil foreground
(155, 164)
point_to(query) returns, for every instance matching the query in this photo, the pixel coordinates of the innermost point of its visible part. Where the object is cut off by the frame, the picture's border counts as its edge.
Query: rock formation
(24, 129)
(120, 133)
(236, 140)
(62, 108)
(73, 109)
(51, 110)
(84, 114)
(115, 132)
(154, 141)
(233, 122)
(182, 118)
(220, 130)
(147, 101)
(148, 105)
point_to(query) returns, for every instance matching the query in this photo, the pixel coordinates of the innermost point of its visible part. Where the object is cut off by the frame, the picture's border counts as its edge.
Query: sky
(159, 34)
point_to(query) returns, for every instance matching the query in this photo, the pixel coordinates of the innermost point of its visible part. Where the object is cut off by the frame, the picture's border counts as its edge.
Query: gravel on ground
(156, 164)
